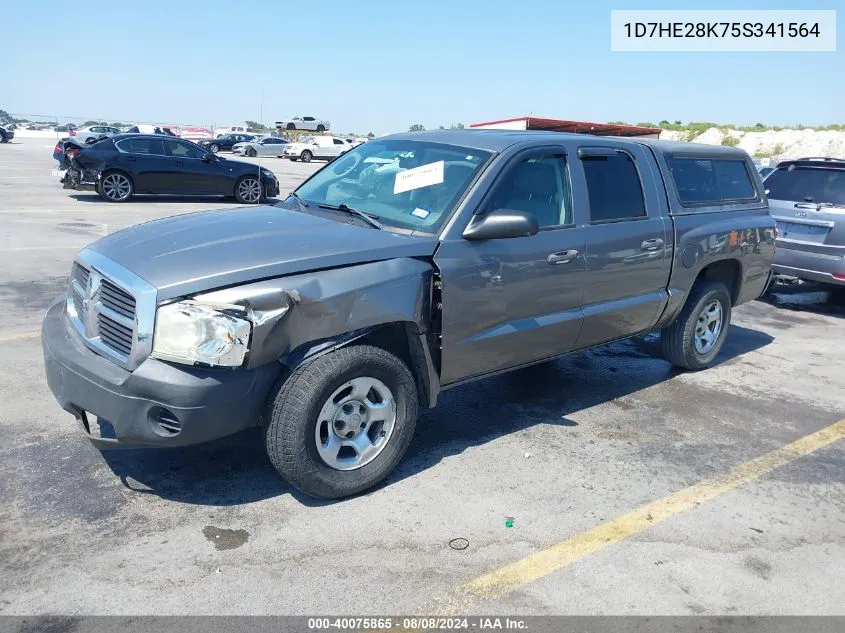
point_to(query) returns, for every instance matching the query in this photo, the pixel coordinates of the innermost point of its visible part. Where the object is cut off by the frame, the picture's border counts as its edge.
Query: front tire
(306, 156)
(249, 190)
(250, 151)
(696, 337)
(115, 186)
(342, 422)
(290, 126)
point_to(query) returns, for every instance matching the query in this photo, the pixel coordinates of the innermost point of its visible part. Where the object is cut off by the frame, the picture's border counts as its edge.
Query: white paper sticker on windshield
(422, 176)
(420, 213)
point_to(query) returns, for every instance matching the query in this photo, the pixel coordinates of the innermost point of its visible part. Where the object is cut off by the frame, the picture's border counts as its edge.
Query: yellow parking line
(19, 336)
(580, 546)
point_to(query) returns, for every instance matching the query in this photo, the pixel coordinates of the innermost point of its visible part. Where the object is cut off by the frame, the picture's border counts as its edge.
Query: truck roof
(498, 140)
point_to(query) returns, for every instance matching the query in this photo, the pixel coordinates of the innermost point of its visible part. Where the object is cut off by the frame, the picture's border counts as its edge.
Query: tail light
(73, 132)
(73, 152)
(59, 148)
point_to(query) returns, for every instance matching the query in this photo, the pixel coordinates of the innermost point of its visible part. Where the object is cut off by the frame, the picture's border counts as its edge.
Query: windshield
(806, 184)
(407, 184)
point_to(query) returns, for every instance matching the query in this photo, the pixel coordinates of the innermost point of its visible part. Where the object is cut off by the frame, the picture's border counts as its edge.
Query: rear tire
(306, 156)
(321, 128)
(214, 147)
(290, 126)
(696, 337)
(115, 186)
(301, 446)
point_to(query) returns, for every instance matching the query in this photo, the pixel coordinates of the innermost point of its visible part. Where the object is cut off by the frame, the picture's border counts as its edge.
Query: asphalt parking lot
(569, 453)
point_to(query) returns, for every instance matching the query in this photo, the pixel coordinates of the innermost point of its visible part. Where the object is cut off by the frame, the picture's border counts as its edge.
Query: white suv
(322, 147)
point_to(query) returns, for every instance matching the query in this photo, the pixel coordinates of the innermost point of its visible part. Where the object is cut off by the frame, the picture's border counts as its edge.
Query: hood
(202, 251)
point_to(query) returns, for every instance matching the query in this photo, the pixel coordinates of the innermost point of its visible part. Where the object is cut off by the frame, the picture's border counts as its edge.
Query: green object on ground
(508, 523)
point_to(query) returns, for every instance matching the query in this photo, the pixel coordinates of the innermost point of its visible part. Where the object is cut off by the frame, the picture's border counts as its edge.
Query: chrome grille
(114, 334)
(112, 309)
(116, 299)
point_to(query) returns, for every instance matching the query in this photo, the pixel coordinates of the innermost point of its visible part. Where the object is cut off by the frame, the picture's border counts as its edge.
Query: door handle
(179, 163)
(652, 245)
(562, 257)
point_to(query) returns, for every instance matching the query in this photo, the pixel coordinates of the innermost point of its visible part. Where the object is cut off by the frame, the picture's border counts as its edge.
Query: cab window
(538, 185)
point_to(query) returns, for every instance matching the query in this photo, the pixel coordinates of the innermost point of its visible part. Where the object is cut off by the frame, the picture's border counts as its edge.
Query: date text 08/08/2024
(417, 623)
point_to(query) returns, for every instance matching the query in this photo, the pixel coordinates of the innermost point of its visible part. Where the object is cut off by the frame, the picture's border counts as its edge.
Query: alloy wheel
(116, 187)
(249, 190)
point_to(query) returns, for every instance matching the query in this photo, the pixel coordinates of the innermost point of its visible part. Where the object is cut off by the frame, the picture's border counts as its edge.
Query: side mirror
(501, 223)
(208, 158)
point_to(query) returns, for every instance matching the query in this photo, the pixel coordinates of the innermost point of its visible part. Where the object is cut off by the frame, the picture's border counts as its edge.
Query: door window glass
(540, 186)
(178, 149)
(613, 188)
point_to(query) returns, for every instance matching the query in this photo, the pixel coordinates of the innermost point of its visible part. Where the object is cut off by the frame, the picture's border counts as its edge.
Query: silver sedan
(267, 146)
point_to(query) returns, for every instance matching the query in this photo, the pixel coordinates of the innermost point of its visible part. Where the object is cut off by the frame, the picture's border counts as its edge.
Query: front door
(192, 174)
(628, 245)
(508, 302)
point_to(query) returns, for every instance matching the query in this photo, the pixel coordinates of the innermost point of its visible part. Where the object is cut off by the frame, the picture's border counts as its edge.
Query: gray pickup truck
(413, 263)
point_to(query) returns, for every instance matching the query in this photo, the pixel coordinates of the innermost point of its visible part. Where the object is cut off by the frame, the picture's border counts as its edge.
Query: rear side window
(806, 184)
(701, 180)
(613, 188)
(142, 146)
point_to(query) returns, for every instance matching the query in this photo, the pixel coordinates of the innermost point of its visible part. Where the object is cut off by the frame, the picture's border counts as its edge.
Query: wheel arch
(400, 338)
(728, 270)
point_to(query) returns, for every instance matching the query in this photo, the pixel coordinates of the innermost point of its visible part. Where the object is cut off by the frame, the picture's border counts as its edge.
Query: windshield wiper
(372, 220)
(300, 203)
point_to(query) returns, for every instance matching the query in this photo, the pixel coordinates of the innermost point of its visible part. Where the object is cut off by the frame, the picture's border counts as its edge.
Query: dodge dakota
(411, 264)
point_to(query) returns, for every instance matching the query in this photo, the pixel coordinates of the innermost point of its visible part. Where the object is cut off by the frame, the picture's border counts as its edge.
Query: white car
(92, 131)
(303, 123)
(264, 146)
(321, 147)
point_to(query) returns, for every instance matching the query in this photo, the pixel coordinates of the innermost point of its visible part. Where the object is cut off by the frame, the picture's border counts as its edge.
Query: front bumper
(809, 265)
(204, 403)
(271, 187)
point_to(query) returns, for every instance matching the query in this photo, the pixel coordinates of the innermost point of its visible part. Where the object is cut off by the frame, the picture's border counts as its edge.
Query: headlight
(190, 332)
(268, 173)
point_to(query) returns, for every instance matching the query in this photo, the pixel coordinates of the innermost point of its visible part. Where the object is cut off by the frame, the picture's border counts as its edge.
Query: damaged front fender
(301, 315)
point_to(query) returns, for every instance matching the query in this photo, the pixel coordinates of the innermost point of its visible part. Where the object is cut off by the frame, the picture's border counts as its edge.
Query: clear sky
(382, 65)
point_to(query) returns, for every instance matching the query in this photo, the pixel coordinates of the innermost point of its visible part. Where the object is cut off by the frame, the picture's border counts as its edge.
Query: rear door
(808, 202)
(145, 160)
(628, 248)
